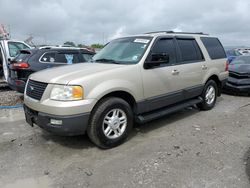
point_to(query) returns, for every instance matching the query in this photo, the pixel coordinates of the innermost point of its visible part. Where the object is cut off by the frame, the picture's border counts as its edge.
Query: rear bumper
(17, 85)
(69, 126)
(236, 89)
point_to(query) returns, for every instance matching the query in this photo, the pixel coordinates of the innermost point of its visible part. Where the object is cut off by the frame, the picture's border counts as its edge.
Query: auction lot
(190, 148)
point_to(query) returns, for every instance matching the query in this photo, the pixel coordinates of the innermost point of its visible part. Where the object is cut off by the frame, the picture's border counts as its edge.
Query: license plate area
(13, 74)
(30, 116)
(29, 120)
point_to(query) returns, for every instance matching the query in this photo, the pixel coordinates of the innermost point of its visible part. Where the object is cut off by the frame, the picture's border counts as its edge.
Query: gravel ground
(190, 149)
(9, 97)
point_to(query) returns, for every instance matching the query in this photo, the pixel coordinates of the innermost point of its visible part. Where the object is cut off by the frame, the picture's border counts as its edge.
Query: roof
(164, 33)
(65, 48)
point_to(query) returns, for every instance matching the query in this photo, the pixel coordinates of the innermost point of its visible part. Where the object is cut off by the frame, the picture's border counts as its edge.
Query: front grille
(35, 89)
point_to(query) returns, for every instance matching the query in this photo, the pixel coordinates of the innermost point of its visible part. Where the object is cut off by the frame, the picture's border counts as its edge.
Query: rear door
(190, 67)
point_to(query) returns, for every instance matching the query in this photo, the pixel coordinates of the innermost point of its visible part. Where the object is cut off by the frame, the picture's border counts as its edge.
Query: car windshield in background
(241, 60)
(123, 51)
(233, 53)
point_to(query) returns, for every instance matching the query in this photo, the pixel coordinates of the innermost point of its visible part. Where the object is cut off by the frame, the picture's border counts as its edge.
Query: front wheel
(110, 123)
(209, 95)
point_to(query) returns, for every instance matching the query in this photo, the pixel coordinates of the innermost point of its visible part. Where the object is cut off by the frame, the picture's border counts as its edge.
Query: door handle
(175, 72)
(204, 67)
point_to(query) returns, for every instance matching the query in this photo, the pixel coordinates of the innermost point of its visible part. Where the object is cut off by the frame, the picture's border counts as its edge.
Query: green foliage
(97, 45)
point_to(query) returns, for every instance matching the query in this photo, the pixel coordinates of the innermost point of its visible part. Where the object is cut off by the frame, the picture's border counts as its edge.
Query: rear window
(57, 57)
(23, 56)
(214, 48)
(87, 57)
(189, 50)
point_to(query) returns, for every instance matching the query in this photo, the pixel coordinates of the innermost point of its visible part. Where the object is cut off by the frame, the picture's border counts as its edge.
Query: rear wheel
(110, 123)
(209, 95)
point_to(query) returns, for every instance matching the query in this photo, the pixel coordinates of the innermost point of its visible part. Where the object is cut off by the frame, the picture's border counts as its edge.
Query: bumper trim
(71, 125)
(237, 89)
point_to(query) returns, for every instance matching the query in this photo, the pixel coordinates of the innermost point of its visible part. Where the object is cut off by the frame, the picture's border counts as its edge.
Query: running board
(165, 111)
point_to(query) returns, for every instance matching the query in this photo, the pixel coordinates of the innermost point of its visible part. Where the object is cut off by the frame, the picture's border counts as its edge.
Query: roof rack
(196, 33)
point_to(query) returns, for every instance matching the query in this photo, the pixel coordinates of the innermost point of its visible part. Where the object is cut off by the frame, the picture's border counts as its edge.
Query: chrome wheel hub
(210, 95)
(114, 123)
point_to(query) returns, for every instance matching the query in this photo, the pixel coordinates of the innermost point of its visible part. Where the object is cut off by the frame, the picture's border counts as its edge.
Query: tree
(97, 45)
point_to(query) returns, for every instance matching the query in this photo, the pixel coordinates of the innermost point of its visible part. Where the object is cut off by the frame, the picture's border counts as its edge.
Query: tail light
(20, 65)
(226, 65)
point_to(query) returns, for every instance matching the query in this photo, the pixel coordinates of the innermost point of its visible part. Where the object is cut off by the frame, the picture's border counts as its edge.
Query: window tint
(49, 57)
(87, 57)
(166, 45)
(14, 48)
(189, 50)
(214, 47)
(23, 56)
(55, 57)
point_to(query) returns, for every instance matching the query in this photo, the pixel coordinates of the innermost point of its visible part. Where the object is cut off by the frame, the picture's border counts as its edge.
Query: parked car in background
(244, 51)
(139, 78)
(239, 76)
(33, 60)
(9, 50)
(232, 54)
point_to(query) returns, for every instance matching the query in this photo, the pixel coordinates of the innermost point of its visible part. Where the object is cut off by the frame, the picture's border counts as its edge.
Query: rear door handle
(175, 72)
(204, 67)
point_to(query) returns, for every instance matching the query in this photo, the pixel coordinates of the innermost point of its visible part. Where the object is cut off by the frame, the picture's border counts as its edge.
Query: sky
(99, 21)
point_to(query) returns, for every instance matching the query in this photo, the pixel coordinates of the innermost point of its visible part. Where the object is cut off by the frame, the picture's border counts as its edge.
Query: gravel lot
(187, 149)
(9, 97)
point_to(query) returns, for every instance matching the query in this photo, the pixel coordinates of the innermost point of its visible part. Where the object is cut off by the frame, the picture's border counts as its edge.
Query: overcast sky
(99, 21)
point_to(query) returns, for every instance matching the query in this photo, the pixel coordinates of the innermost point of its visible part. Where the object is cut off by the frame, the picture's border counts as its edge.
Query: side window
(189, 50)
(87, 57)
(166, 45)
(14, 48)
(214, 47)
(67, 58)
(48, 57)
(55, 57)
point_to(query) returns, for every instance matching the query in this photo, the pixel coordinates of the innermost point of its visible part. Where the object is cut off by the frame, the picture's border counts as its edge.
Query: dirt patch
(9, 97)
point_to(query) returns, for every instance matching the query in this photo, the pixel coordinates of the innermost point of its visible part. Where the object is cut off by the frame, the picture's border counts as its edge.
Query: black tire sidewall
(108, 105)
(204, 104)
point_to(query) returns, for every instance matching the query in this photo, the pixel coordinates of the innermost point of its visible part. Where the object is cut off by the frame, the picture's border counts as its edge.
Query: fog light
(55, 122)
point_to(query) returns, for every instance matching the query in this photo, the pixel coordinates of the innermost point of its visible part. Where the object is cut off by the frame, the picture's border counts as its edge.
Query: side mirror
(156, 59)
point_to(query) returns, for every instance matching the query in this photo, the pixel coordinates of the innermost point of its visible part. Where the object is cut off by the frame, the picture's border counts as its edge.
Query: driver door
(161, 83)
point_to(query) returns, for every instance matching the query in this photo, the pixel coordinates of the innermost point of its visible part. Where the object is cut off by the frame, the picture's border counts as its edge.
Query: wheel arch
(126, 96)
(215, 78)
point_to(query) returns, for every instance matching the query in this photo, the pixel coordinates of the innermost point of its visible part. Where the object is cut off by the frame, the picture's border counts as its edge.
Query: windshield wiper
(106, 60)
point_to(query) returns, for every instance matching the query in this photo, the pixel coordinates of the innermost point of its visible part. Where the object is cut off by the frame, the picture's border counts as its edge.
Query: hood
(64, 74)
(240, 68)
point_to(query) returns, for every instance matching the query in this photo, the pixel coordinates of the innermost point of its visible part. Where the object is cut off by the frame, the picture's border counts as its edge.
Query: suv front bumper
(69, 125)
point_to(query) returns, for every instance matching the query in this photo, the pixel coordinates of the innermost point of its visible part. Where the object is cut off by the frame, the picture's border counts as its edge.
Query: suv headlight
(66, 93)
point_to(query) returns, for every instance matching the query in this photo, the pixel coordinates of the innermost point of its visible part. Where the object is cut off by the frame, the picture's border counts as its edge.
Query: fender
(110, 86)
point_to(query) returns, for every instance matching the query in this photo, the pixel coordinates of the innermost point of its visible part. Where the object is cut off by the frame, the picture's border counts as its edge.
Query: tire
(209, 103)
(110, 109)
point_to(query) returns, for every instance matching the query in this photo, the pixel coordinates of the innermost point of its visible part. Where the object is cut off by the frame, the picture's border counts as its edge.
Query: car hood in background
(240, 68)
(64, 74)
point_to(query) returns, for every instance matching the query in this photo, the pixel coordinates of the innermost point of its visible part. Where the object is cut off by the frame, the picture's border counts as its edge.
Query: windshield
(123, 51)
(241, 60)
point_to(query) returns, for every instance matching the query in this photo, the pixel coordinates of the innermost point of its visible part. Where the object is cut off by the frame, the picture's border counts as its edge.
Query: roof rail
(197, 33)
